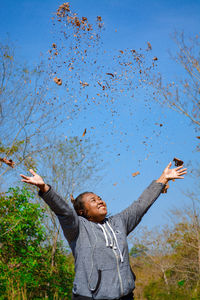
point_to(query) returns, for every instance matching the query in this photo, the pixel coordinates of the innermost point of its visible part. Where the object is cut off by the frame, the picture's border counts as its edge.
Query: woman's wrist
(44, 188)
(162, 179)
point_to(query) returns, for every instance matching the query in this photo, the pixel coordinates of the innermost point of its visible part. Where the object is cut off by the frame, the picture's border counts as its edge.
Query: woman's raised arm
(67, 216)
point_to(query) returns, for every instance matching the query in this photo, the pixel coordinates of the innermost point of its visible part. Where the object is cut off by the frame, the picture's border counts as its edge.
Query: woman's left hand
(170, 174)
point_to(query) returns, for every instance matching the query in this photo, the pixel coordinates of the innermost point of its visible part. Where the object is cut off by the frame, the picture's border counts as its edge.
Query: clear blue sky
(128, 24)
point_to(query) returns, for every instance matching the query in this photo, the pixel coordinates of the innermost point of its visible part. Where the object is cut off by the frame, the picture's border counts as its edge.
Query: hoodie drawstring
(120, 253)
(107, 234)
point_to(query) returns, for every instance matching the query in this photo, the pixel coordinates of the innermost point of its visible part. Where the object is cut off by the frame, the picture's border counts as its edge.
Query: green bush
(25, 255)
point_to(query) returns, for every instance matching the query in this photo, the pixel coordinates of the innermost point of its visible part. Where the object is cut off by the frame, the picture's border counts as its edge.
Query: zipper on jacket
(119, 275)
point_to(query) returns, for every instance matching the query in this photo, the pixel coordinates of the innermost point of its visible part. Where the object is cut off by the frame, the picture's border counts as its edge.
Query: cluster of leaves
(96, 79)
(88, 70)
(25, 254)
(167, 263)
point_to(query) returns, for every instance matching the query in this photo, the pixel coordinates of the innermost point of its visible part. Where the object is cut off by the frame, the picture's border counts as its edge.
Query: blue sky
(128, 24)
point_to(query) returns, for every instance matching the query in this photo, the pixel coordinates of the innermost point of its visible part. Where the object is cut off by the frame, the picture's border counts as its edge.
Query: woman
(99, 244)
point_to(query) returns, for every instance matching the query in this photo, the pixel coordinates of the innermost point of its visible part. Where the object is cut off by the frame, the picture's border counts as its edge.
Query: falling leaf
(84, 83)
(84, 132)
(115, 183)
(155, 58)
(149, 46)
(110, 74)
(54, 45)
(198, 137)
(63, 8)
(135, 174)
(8, 162)
(164, 191)
(121, 51)
(99, 18)
(178, 162)
(57, 80)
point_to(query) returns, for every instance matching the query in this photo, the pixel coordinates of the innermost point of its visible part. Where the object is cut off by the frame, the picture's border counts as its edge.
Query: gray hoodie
(102, 269)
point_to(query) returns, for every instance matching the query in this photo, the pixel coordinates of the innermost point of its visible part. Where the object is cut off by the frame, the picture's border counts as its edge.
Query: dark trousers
(78, 297)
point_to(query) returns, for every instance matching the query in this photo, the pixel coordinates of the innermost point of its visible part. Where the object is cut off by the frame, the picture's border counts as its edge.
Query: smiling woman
(99, 244)
(90, 206)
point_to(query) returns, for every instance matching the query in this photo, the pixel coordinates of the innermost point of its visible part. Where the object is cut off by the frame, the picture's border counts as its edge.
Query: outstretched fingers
(180, 167)
(181, 173)
(169, 165)
(32, 172)
(25, 178)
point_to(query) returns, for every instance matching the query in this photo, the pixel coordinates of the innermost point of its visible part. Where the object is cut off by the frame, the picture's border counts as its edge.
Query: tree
(156, 254)
(168, 266)
(26, 112)
(25, 259)
(183, 95)
(185, 240)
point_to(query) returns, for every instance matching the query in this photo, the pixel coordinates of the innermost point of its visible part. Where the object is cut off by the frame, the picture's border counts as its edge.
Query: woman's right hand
(35, 180)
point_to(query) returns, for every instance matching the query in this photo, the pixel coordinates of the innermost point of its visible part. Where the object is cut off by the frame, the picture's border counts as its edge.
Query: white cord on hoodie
(110, 236)
(106, 234)
(121, 256)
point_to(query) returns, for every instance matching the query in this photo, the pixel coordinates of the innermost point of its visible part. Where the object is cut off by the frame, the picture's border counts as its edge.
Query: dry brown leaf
(135, 173)
(155, 58)
(63, 8)
(164, 191)
(8, 162)
(84, 132)
(149, 46)
(58, 81)
(110, 74)
(84, 83)
(178, 162)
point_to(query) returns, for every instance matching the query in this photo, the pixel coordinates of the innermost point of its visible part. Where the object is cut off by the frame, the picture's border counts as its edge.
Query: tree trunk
(55, 239)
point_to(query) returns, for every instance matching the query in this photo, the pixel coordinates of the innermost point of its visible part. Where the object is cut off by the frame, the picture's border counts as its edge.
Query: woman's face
(95, 207)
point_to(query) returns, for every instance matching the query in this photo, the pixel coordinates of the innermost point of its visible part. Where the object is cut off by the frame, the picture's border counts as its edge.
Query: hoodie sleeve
(67, 216)
(132, 215)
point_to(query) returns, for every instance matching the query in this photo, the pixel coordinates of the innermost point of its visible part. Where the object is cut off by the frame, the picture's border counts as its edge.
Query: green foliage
(138, 250)
(25, 256)
(15, 147)
(173, 270)
(157, 290)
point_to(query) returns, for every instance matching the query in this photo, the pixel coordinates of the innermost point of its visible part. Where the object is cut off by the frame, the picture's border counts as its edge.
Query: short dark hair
(79, 204)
